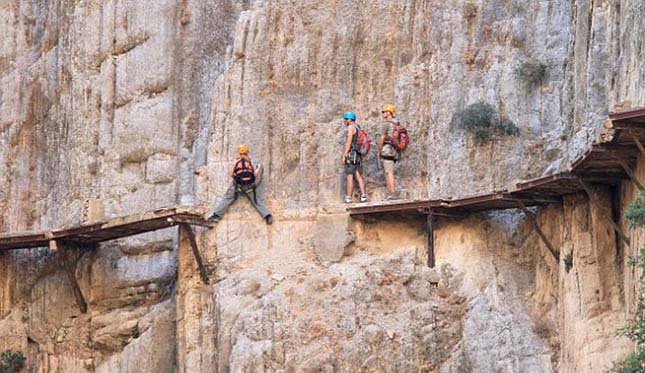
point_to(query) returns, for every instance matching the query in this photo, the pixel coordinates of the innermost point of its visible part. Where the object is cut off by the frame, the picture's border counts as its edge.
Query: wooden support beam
(603, 213)
(71, 277)
(630, 173)
(190, 220)
(430, 242)
(445, 214)
(538, 230)
(637, 142)
(193, 245)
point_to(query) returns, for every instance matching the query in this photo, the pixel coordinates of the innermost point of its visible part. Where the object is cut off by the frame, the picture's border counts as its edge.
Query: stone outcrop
(140, 104)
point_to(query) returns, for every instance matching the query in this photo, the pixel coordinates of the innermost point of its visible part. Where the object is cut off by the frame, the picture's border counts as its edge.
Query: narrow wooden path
(609, 161)
(87, 236)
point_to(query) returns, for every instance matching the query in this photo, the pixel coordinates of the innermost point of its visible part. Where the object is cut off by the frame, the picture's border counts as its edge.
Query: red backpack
(399, 138)
(363, 141)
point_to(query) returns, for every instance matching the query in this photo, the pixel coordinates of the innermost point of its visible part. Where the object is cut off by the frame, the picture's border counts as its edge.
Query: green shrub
(635, 330)
(11, 361)
(531, 72)
(633, 363)
(508, 128)
(636, 211)
(483, 122)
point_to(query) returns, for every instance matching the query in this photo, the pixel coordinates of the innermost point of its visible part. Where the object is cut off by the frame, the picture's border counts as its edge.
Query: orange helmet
(389, 107)
(243, 149)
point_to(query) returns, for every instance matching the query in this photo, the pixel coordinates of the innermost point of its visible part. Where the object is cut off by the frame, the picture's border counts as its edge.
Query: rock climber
(352, 158)
(244, 183)
(387, 152)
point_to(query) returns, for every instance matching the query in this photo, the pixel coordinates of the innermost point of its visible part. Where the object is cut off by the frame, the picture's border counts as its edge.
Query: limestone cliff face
(140, 104)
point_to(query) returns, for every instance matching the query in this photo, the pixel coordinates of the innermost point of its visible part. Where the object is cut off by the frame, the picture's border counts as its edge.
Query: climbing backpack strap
(363, 141)
(244, 174)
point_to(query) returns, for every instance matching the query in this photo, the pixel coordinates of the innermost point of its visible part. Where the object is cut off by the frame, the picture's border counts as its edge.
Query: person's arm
(348, 144)
(381, 139)
(233, 167)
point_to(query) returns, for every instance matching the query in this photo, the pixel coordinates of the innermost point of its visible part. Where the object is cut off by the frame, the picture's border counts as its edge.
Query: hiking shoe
(390, 197)
(364, 198)
(269, 219)
(214, 218)
(348, 199)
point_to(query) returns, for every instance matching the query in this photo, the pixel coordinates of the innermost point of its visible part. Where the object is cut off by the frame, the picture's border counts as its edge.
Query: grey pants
(231, 196)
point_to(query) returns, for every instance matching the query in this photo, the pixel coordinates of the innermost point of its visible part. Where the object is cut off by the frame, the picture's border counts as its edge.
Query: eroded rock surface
(140, 104)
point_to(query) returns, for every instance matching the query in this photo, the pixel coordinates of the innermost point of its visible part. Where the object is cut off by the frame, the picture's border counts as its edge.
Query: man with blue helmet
(352, 158)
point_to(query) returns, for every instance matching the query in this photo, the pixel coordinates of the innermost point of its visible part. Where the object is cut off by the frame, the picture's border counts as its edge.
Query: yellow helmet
(389, 107)
(243, 149)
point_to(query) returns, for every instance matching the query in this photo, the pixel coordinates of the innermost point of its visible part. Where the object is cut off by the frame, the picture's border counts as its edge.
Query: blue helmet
(349, 115)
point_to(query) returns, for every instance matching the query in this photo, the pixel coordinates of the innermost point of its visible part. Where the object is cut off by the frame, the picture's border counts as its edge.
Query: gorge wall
(140, 104)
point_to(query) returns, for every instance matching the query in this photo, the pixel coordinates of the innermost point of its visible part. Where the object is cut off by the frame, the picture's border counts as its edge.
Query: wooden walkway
(93, 233)
(609, 161)
(87, 236)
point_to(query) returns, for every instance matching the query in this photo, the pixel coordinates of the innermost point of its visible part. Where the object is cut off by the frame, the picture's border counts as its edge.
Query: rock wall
(140, 104)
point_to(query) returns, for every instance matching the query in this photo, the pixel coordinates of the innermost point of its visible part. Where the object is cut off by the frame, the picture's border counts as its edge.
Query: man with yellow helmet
(244, 183)
(387, 153)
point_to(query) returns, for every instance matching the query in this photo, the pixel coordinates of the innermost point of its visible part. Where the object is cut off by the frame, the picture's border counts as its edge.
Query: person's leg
(389, 177)
(350, 185)
(257, 203)
(361, 184)
(388, 170)
(227, 200)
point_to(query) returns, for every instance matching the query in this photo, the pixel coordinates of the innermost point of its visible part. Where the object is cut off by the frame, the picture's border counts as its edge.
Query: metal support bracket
(430, 242)
(198, 258)
(536, 227)
(603, 213)
(630, 173)
(637, 142)
(70, 270)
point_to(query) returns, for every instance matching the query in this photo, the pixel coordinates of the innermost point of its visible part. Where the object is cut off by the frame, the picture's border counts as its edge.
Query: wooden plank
(106, 230)
(430, 242)
(192, 221)
(71, 277)
(198, 258)
(603, 213)
(538, 230)
(627, 115)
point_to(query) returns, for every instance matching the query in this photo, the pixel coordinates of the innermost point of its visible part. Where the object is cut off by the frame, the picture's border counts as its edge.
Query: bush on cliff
(11, 361)
(636, 211)
(483, 122)
(531, 72)
(635, 330)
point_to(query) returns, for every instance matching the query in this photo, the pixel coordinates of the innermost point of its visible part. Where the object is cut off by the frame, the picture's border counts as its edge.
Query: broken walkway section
(88, 236)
